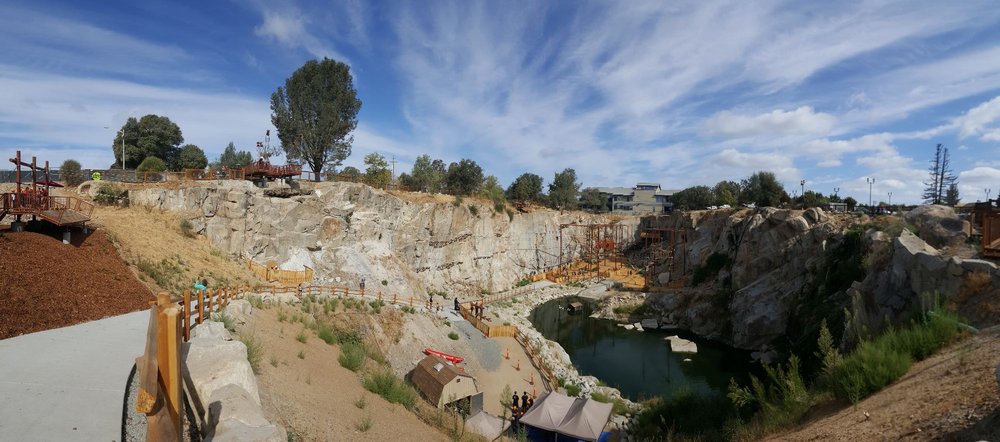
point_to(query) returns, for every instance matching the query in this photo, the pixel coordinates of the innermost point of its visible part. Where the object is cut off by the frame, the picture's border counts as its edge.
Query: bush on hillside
(70, 173)
(151, 164)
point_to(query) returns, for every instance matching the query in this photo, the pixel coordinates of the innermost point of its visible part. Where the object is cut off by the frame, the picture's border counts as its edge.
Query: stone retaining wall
(222, 384)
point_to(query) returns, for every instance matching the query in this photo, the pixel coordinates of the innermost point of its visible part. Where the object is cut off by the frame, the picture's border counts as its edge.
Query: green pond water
(640, 364)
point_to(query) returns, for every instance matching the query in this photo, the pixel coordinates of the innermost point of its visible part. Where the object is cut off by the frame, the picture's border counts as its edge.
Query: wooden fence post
(411, 300)
(201, 306)
(168, 359)
(209, 303)
(393, 299)
(186, 318)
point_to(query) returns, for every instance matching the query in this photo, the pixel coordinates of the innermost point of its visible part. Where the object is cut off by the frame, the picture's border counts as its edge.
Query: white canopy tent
(574, 417)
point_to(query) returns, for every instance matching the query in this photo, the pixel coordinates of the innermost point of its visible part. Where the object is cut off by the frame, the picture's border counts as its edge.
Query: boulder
(979, 266)
(214, 364)
(232, 402)
(649, 324)
(939, 225)
(211, 330)
(681, 345)
(239, 309)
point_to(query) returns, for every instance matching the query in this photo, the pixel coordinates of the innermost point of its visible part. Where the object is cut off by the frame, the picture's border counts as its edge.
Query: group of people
(517, 409)
(478, 309)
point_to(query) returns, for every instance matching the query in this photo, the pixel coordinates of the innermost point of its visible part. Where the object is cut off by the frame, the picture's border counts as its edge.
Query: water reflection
(640, 364)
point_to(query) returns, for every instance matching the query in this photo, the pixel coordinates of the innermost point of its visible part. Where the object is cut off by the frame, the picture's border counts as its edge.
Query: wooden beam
(146, 364)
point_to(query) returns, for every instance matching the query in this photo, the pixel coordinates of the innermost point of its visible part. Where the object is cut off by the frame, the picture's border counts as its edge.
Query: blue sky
(681, 93)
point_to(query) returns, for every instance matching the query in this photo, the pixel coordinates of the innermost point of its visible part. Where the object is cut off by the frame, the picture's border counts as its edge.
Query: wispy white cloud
(778, 122)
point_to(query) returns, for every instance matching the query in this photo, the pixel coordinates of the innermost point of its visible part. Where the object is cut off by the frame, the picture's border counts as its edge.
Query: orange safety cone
(518, 367)
(506, 354)
(534, 394)
(532, 380)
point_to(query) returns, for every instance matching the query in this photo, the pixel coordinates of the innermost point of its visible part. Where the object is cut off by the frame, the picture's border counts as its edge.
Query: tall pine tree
(942, 177)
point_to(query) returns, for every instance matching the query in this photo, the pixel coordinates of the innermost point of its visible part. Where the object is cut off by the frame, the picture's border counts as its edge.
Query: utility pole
(988, 193)
(890, 199)
(393, 169)
(870, 182)
(836, 190)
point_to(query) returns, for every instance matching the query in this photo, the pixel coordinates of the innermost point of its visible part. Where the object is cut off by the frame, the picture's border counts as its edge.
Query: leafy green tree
(951, 197)
(70, 173)
(835, 198)
(526, 188)
(812, 199)
(377, 174)
(726, 193)
(231, 159)
(149, 136)
(763, 190)
(351, 173)
(591, 199)
(191, 157)
(315, 114)
(151, 164)
(492, 190)
(427, 175)
(694, 198)
(851, 203)
(564, 190)
(464, 177)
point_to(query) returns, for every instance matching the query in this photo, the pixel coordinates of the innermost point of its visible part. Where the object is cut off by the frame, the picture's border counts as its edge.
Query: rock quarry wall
(349, 231)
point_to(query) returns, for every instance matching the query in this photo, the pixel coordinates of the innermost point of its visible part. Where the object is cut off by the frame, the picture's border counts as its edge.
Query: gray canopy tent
(578, 418)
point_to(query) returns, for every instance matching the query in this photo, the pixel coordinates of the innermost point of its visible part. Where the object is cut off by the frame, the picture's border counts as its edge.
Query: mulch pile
(45, 284)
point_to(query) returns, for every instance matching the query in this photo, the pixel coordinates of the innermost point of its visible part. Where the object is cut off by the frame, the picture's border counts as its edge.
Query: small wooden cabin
(442, 383)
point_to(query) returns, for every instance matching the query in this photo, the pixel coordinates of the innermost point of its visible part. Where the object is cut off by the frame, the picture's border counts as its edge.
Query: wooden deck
(59, 210)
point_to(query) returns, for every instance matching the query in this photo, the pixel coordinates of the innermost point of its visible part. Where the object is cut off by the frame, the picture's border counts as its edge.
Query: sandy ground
(313, 397)
(494, 381)
(950, 396)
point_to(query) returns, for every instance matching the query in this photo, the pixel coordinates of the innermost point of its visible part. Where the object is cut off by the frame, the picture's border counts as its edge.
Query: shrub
(572, 389)
(226, 320)
(301, 337)
(523, 282)
(256, 301)
(473, 210)
(325, 333)
(685, 413)
(70, 173)
(364, 425)
(458, 201)
(255, 351)
(187, 229)
(361, 402)
(385, 384)
(510, 215)
(274, 361)
(302, 354)
(109, 194)
(453, 336)
(877, 363)
(783, 400)
(151, 164)
(352, 356)
(618, 405)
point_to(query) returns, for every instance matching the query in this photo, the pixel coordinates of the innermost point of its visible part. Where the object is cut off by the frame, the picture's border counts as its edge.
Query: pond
(640, 364)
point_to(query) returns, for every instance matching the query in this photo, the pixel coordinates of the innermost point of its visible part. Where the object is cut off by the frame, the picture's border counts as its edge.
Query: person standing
(515, 400)
(458, 307)
(524, 400)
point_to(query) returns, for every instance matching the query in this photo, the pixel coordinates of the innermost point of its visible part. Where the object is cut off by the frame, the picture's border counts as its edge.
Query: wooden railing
(271, 273)
(160, 372)
(31, 204)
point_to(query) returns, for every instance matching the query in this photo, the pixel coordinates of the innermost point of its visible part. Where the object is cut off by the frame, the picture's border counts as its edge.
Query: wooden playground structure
(34, 200)
(988, 214)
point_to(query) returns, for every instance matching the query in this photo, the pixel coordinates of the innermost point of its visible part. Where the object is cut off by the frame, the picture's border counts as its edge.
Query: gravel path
(487, 350)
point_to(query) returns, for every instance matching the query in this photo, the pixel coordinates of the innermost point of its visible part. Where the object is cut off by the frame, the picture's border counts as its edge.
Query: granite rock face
(939, 226)
(350, 231)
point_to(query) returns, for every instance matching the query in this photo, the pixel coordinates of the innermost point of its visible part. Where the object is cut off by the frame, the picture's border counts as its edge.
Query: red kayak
(450, 358)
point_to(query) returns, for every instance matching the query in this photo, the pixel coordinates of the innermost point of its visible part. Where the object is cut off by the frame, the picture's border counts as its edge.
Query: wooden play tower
(34, 200)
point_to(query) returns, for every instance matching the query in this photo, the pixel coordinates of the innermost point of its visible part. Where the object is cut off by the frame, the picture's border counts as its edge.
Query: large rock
(211, 330)
(234, 416)
(939, 225)
(214, 364)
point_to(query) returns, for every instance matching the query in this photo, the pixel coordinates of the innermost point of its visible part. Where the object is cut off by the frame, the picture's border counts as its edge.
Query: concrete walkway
(69, 383)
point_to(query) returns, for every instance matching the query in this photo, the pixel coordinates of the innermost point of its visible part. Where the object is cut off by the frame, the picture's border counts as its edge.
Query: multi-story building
(643, 198)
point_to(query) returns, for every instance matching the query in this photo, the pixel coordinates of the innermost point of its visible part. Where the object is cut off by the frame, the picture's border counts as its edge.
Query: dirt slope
(313, 396)
(46, 284)
(950, 396)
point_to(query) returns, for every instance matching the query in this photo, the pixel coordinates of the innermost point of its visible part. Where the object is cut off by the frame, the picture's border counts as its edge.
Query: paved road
(69, 383)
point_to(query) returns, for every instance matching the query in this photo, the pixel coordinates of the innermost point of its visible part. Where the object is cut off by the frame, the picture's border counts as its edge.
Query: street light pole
(836, 190)
(890, 199)
(122, 132)
(870, 182)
